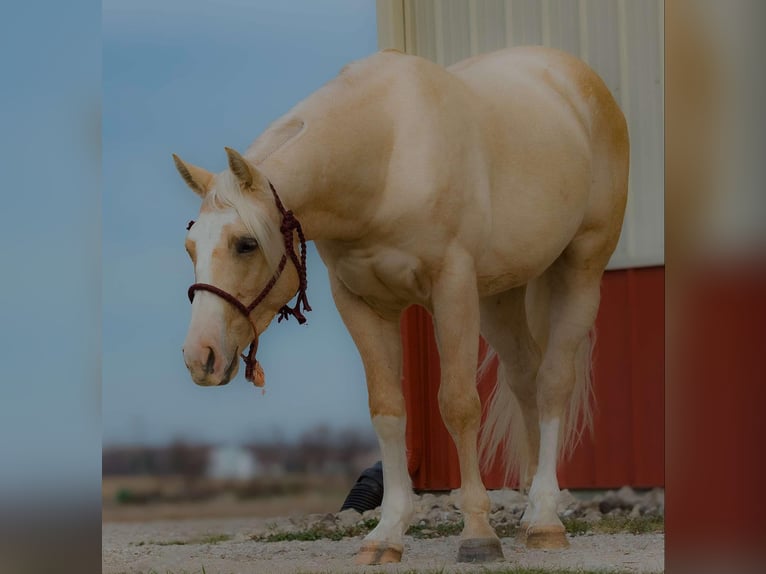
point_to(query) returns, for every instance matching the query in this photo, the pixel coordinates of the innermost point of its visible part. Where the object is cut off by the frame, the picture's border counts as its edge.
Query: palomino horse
(492, 193)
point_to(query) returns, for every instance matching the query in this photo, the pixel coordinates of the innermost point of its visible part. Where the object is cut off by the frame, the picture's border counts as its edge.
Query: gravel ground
(224, 546)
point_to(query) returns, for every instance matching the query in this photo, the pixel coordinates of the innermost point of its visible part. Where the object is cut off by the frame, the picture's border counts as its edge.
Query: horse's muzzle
(206, 369)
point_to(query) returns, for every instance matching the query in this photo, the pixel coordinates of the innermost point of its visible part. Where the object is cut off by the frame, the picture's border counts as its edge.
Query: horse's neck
(327, 164)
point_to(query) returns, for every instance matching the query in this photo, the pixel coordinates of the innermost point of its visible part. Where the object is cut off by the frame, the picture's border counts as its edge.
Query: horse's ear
(200, 180)
(244, 171)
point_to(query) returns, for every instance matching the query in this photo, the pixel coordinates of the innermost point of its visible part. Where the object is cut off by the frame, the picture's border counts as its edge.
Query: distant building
(232, 462)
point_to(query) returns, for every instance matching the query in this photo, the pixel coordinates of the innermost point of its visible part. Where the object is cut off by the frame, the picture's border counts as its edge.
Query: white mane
(227, 193)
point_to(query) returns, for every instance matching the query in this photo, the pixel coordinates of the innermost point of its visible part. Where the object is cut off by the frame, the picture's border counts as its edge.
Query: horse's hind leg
(379, 344)
(574, 299)
(455, 310)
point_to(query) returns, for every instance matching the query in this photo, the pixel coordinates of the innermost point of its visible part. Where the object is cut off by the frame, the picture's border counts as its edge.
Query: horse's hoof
(547, 537)
(373, 552)
(521, 533)
(480, 550)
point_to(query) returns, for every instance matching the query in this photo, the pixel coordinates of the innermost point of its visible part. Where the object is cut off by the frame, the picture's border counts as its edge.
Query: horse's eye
(246, 245)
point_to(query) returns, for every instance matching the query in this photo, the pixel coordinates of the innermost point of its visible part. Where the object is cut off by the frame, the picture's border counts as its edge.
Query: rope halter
(289, 224)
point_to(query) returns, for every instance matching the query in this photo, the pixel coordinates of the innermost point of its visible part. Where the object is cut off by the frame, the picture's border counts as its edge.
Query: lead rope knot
(287, 227)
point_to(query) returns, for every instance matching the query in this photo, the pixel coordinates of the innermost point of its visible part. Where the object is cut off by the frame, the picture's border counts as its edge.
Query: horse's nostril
(210, 362)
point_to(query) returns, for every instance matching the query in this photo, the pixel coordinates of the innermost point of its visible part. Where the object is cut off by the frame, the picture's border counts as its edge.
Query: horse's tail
(503, 432)
(579, 416)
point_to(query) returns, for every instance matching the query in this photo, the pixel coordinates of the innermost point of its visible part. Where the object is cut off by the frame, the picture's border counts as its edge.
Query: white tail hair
(504, 434)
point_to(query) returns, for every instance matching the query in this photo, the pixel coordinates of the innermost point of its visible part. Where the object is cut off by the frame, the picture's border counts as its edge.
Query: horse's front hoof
(480, 550)
(372, 553)
(546, 537)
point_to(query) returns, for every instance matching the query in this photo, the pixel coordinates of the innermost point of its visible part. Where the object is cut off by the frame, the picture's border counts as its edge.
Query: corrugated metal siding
(622, 40)
(628, 442)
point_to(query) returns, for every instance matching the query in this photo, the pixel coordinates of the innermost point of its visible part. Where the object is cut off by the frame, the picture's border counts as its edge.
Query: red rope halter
(253, 372)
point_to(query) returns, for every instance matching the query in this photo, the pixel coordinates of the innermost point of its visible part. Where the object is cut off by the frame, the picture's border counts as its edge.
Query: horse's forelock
(227, 193)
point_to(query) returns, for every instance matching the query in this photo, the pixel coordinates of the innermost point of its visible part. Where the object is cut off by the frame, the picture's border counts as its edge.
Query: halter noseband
(253, 371)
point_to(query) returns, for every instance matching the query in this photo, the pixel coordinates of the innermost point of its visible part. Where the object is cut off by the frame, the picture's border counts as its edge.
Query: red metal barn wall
(627, 447)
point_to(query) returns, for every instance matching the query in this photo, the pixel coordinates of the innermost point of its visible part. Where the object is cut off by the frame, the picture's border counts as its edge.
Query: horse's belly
(386, 279)
(527, 237)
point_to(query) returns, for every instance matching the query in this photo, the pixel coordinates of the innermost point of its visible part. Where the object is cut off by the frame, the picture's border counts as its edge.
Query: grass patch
(636, 525)
(576, 527)
(169, 542)
(498, 570)
(210, 539)
(320, 533)
(615, 524)
(213, 539)
(506, 530)
(573, 526)
(440, 530)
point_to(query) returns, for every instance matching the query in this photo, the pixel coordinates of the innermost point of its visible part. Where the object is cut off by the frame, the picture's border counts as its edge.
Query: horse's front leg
(379, 344)
(455, 307)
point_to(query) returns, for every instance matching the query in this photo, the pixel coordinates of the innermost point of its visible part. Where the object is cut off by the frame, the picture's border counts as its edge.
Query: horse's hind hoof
(372, 553)
(550, 537)
(480, 550)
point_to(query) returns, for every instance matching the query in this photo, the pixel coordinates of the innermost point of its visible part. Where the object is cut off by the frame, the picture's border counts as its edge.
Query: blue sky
(49, 249)
(190, 78)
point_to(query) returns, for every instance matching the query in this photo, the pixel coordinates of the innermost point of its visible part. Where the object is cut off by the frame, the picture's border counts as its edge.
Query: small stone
(609, 502)
(566, 500)
(260, 531)
(281, 525)
(428, 500)
(592, 516)
(656, 497)
(437, 515)
(347, 518)
(591, 504)
(371, 514)
(628, 497)
(327, 520)
(505, 498)
(313, 519)
(443, 501)
(635, 511)
(298, 523)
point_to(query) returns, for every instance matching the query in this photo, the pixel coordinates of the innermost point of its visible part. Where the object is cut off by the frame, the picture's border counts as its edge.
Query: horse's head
(236, 246)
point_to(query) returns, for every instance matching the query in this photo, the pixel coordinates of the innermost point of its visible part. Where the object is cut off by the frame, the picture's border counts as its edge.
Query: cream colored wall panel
(525, 20)
(490, 25)
(643, 107)
(390, 20)
(563, 25)
(453, 31)
(420, 28)
(604, 42)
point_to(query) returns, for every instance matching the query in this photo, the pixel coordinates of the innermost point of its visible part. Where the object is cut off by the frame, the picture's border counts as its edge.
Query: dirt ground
(224, 546)
(217, 534)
